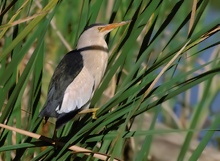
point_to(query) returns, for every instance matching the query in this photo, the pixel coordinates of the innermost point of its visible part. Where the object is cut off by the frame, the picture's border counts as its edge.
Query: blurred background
(159, 99)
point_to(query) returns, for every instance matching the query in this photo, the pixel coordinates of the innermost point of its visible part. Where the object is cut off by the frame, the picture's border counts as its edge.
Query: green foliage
(143, 74)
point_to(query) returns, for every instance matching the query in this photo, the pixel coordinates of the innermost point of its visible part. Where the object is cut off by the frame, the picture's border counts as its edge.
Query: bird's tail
(64, 118)
(48, 111)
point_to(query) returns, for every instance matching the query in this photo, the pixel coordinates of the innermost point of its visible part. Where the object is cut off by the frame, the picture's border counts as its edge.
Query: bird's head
(94, 34)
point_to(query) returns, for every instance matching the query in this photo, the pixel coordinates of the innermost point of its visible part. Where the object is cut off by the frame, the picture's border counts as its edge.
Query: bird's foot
(91, 110)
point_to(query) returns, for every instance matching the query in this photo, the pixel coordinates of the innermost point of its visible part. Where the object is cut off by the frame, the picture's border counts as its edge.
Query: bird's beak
(112, 26)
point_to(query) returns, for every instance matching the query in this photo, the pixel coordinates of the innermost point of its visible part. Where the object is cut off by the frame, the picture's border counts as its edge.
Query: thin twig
(74, 148)
(11, 24)
(57, 31)
(193, 15)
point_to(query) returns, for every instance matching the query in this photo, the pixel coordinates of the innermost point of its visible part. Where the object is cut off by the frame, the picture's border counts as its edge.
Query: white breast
(78, 93)
(95, 61)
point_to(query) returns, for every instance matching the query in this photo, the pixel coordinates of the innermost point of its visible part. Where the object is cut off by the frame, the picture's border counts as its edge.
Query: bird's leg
(45, 120)
(55, 138)
(91, 110)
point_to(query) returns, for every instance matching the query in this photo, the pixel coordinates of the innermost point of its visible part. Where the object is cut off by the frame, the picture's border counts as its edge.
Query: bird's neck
(88, 43)
(95, 56)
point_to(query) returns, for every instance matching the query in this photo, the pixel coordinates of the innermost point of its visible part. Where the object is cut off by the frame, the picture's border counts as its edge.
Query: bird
(78, 75)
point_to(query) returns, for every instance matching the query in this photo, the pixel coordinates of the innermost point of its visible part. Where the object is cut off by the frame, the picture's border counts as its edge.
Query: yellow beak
(112, 26)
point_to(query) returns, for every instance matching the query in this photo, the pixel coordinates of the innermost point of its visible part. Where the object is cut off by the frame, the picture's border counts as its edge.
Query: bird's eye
(99, 28)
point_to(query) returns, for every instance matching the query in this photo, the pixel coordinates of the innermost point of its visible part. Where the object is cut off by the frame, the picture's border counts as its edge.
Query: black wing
(66, 71)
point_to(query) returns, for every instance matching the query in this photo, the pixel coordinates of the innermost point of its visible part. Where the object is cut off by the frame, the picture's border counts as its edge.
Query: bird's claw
(91, 110)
